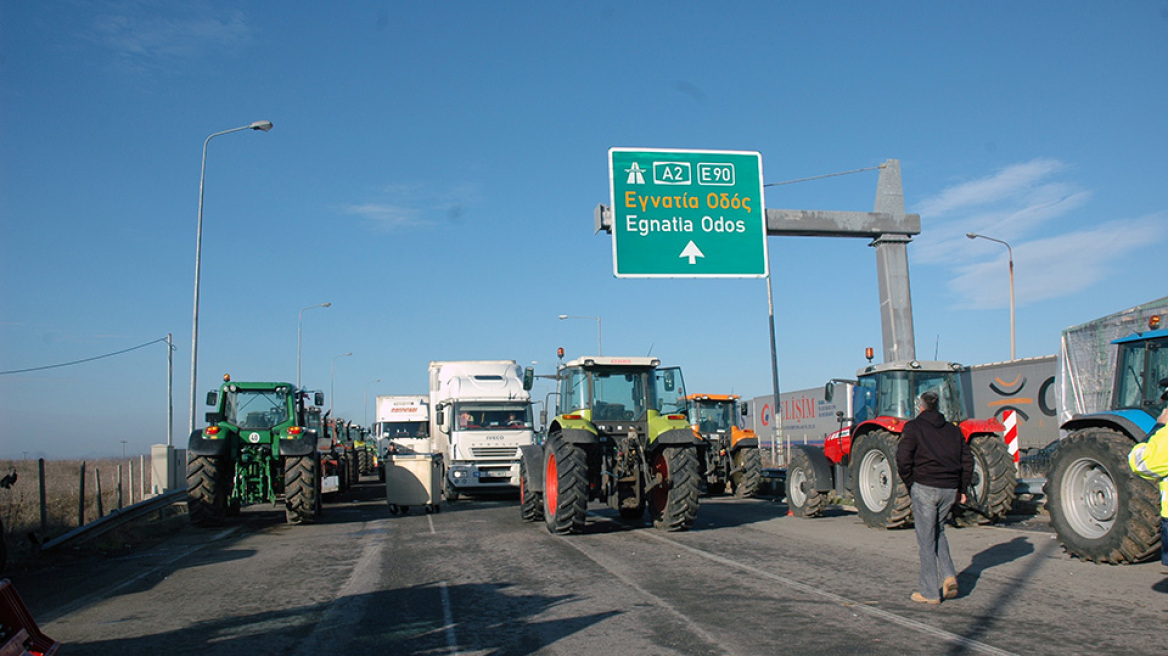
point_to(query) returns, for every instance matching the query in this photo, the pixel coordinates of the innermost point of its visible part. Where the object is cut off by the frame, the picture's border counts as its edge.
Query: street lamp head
(261, 125)
(971, 235)
(326, 304)
(563, 316)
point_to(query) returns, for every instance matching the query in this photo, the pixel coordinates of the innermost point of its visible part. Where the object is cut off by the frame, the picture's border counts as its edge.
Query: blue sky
(434, 167)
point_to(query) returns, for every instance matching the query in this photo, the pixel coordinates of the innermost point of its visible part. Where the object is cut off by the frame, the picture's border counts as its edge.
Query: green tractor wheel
(565, 484)
(673, 503)
(301, 489)
(207, 489)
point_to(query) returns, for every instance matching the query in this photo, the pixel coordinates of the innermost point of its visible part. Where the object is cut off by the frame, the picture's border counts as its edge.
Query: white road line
(448, 618)
(851, 604)
(687, 621)
(430, 518)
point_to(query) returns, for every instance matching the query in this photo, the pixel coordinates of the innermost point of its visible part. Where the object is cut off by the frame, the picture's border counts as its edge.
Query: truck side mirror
(213, 418)
(318, 399)
(829, 392)
(213, 397)
(440, 417)
(528, 378)
(543, 417)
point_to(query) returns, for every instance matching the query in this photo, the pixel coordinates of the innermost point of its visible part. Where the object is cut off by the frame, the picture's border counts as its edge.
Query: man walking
(935, 463)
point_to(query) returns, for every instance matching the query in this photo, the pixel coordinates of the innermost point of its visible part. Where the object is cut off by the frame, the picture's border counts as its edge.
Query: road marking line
(857, 606)
(448, 618)
(430, 518)
(687, 621)
(342, 613)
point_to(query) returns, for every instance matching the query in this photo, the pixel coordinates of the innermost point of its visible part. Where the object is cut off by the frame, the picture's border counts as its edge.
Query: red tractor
(859, 460)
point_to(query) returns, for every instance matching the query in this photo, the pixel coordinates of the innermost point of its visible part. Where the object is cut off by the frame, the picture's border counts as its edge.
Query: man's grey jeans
(931, 506)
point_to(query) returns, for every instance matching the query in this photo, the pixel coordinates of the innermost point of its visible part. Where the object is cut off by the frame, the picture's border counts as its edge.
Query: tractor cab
(892, 389)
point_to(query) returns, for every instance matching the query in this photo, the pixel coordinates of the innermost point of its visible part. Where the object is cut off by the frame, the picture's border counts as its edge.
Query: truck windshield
(715, 416)
(1141, 366)
(493, 416)
(256, 409)
(617, 395)
(405, 429)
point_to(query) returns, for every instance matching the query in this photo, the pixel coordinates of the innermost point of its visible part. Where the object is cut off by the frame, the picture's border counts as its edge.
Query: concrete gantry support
(890, 230)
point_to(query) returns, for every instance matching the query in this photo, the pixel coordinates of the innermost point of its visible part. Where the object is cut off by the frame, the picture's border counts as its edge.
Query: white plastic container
(413, 480)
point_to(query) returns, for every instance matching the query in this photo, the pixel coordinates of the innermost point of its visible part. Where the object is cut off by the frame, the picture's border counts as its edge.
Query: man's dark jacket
(934, 452)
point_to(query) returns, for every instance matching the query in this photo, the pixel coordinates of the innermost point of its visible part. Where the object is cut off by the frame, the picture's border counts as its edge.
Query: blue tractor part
(1100, 509)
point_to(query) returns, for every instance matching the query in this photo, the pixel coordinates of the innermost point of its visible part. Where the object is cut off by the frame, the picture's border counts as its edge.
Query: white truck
(403, 425)
(481, 416)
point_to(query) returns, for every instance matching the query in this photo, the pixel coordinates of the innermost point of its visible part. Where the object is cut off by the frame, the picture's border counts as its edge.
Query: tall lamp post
(365, 421)
(599, 345)
(333, 378)
(1010, 253)
(299, 325)
(258, 125)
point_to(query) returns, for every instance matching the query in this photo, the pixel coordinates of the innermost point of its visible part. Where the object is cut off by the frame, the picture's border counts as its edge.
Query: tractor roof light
(1153, 322)
(227, 378)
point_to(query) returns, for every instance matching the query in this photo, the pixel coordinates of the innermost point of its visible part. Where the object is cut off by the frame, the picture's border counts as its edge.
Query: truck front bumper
(483, 476)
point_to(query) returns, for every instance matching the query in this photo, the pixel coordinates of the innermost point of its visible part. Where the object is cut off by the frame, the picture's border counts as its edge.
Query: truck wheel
(991, 492)
(803, 499)
(206, 490)
(880, 496)
(1100, 509)
(530, 501)
(673, 504)
(747, 472)
(300, 489)
(449, 492)
(565, 485)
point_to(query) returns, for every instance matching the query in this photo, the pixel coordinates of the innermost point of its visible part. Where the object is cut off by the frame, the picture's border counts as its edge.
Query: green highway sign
(687, 214)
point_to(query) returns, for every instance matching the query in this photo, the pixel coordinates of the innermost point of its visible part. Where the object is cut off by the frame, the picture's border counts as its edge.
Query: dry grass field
(20, 506)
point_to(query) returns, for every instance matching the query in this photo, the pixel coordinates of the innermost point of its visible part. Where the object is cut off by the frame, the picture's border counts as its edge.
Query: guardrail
(117, 518)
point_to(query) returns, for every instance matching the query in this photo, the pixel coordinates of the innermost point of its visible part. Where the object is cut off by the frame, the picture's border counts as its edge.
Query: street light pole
(365, 421)
(333, 378)
(299, 323)
(599, 344)
(257, 125)
(1010, 253)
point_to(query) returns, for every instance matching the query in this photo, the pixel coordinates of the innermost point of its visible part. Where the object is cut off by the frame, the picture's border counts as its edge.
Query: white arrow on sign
(692, 251)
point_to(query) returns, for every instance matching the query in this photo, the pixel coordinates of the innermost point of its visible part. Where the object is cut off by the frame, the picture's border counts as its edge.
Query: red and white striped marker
(1010, 421)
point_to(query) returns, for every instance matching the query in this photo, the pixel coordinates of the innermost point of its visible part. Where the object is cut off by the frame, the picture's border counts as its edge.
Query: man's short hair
(931, 400)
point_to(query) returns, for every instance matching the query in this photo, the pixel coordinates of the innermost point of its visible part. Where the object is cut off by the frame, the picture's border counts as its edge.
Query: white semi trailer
(480, 417)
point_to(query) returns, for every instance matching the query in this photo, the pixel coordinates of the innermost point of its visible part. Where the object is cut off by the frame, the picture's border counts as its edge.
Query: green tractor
(255, 449)
(620, 436)
(366, 451)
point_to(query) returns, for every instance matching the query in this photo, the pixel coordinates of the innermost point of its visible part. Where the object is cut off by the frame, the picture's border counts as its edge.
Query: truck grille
(509, 452)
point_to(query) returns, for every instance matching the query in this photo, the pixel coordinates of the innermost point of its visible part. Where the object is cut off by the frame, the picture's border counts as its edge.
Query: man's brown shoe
(950, 587)
(921, 599)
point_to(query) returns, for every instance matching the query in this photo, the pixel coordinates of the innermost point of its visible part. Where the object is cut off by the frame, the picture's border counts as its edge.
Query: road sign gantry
(687, 214)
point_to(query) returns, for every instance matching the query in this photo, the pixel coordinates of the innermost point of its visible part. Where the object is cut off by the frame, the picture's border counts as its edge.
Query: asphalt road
(475, 579)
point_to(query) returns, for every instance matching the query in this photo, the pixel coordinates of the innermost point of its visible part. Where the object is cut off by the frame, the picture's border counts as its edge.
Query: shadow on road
(998, 554)
(403, 621)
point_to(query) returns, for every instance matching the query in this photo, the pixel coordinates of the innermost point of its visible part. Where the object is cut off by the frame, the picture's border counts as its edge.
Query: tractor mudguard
(679, 436)
(201, 446)
(1130, 423)
(819, 464)
(532, 456)
(576, 436)
(745, 443)
(299, 446)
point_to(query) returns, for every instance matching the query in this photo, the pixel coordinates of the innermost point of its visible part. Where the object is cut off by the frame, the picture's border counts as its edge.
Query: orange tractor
(728, 456)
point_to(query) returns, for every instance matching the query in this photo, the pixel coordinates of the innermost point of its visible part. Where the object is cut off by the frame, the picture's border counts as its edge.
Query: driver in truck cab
(1149, 459)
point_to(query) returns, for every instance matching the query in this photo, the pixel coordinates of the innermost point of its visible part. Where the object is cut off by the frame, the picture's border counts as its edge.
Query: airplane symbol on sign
(692, 251)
